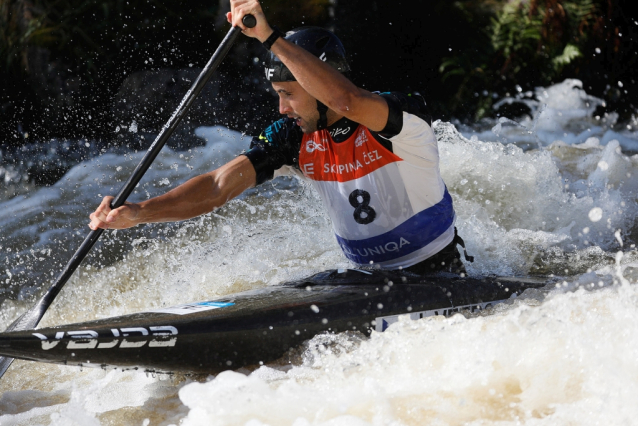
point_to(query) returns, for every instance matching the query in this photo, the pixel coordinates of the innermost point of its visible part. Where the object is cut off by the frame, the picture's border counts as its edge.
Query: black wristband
(276, 33)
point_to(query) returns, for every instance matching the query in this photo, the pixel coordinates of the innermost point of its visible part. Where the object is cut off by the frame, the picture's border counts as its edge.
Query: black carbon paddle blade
(28, 320)
(5, 363)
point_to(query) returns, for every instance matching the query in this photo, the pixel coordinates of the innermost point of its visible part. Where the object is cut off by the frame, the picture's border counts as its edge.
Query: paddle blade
(28, 320)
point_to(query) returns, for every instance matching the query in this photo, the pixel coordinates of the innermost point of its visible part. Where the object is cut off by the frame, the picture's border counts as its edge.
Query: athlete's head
(298, 104)
(294, 100)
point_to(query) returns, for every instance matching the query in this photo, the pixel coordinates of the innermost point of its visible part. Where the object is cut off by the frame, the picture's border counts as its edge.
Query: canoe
(259, 326)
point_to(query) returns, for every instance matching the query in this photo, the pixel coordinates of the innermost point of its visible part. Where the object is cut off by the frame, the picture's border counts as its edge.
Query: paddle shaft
(151, 154)
(32, 317)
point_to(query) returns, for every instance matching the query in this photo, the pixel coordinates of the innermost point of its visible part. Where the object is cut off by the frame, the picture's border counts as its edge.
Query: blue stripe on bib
(412, 235)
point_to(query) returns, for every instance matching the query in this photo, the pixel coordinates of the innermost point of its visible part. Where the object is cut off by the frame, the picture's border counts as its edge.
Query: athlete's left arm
(319, 79)
(329, 86)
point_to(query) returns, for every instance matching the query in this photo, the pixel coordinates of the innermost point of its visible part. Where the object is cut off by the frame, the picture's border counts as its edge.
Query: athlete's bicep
(367, 109)
(234, 177)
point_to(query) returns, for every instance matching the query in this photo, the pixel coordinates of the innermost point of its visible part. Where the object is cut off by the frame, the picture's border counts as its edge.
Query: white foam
(566, 360)
(562, 112)
(513, 205)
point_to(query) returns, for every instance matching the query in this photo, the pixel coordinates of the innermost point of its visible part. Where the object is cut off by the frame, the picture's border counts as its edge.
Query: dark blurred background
(114, 70)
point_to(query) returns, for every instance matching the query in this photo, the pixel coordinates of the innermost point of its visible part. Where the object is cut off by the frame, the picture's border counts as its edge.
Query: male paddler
(372, 157)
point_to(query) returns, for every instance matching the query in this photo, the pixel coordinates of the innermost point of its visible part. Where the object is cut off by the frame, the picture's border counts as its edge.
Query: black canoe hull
(257, 326)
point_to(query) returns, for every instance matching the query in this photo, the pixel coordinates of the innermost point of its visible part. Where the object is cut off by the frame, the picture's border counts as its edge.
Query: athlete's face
(296, 103)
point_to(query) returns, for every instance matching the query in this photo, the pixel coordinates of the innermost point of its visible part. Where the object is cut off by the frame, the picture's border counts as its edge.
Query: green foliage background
(530, 41)
(61, 61)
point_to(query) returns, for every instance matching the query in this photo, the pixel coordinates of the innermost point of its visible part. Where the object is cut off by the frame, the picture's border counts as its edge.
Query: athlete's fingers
(124, 214)
(105, 204)
(236, 13)
(104, 208)
(241, 8)
(99, 216)
(113, 215)
(121, 218)
(96, 223)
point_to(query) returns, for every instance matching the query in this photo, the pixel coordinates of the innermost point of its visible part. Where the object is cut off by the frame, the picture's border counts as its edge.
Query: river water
(553, 193)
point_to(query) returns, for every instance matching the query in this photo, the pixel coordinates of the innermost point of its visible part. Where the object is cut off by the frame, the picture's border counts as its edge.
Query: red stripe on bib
(322, 159)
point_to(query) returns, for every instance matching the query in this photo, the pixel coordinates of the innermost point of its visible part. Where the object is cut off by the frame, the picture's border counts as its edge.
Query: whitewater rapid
(551, 194)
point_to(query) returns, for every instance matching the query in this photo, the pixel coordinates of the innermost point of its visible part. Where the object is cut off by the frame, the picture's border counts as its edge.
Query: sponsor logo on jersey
(309, 169)
(367, 158)
(375, 250)
(361, 139)
(341, 161)
(339, 131)
(342, 168)
(312, 146)
(158, 336)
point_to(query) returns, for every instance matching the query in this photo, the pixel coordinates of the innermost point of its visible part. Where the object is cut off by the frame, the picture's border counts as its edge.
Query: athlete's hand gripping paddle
(32, 317)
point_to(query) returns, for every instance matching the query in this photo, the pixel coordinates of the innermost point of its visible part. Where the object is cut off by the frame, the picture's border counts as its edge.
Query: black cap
(320, 42)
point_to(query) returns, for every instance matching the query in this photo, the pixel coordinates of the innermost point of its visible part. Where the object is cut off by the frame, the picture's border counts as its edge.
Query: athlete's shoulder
(412, 103)
(399, 103)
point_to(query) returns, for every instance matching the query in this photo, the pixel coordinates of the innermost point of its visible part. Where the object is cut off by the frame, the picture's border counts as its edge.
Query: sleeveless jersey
(388, 204)
(380, 208)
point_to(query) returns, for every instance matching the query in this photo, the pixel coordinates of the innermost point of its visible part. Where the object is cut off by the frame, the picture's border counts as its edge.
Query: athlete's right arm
(195, 197)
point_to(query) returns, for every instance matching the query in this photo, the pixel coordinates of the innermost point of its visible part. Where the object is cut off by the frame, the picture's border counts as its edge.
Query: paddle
(32, 317)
